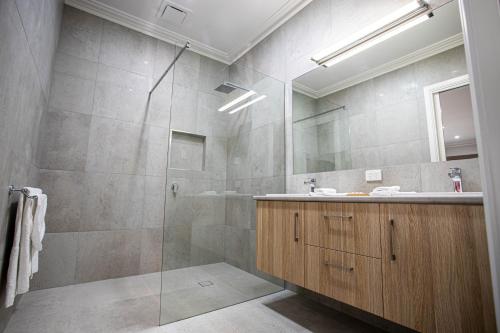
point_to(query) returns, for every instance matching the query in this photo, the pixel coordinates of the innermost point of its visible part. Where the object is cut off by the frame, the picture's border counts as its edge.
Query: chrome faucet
(311, 182)
(456, 177)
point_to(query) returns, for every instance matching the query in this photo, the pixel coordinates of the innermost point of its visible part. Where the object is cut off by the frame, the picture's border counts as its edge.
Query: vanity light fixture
(389, 26)
(237, 100)
(255, 100)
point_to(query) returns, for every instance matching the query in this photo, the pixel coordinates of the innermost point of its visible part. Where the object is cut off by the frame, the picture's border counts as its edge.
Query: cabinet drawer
(352, 279)
(348, 227)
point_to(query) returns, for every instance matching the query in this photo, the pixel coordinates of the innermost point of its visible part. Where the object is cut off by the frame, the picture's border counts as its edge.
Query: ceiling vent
(172, 13)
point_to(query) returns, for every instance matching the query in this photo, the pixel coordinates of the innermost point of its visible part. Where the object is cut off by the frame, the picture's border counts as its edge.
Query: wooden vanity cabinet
(280, 240)
(348, 227)
(436, 275)
(353, 279)
(424, 266)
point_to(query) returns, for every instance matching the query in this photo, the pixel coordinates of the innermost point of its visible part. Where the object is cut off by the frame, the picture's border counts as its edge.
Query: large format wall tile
(127, 49)
(71, 93)
(80, 34)
(108, 254)
(57, 261)
(29, 31)
(64, 140)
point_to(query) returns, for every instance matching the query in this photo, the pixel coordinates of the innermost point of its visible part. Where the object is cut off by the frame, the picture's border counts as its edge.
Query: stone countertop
(471, 198)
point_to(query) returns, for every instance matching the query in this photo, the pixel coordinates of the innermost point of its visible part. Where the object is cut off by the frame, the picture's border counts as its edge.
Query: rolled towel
(386, 189)
(325, 190)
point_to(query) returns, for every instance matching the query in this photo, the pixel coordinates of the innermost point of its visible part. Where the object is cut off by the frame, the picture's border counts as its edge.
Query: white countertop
(424, 197)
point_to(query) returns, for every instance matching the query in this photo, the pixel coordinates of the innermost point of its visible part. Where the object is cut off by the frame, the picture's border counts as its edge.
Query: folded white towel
(325, 190)
(11, 286)
(28, 235)
(386, 189)
(38, 231)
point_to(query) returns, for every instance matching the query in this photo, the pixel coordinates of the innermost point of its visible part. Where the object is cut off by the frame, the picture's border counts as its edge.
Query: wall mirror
(402, 100)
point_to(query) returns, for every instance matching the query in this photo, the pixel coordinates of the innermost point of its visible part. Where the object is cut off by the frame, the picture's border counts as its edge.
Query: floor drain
(205, 283)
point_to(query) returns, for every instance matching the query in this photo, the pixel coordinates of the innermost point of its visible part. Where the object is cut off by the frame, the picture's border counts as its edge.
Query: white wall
(481, 21)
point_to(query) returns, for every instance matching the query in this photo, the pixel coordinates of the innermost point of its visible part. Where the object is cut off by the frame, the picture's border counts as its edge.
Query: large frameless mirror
(402, 100)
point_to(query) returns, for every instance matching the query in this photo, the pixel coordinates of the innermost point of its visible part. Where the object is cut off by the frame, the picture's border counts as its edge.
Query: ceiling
(436, 35)
(220, 29)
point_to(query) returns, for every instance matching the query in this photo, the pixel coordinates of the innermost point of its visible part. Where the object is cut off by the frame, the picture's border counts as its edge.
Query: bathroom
(249, 166)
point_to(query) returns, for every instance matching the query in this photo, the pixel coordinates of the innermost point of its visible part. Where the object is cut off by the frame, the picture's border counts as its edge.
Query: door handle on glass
(391, 240)
(296, 228)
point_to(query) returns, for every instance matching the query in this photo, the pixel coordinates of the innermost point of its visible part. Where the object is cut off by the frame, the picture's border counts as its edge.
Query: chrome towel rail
(24, 191)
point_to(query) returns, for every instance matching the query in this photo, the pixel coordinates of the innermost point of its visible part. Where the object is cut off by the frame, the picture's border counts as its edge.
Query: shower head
(228, 87)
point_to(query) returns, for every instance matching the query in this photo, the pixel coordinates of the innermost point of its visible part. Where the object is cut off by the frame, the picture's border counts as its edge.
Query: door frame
(433, 113)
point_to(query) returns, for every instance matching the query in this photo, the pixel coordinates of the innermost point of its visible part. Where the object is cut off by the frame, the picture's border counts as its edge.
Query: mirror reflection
(405, 100)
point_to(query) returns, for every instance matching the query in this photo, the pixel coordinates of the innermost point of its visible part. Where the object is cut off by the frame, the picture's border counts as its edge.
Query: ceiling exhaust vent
(172, 13)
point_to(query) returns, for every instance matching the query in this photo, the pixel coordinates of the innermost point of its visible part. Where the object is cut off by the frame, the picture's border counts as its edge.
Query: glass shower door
(216, 162)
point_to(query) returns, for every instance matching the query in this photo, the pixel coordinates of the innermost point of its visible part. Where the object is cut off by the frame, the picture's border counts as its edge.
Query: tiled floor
(132, 304)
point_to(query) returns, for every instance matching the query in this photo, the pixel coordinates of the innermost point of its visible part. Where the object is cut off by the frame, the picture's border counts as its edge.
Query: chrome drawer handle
(326, 217)
(349, 269)
(295, 227)
(391, 241)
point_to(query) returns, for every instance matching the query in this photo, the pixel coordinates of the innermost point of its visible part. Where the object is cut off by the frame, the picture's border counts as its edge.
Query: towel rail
(24, 191)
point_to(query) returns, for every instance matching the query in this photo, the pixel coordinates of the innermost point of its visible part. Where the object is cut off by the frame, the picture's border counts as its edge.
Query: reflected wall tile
(57, 261)
(398, 122)
(66, 198)
(80, 34)
(395, 87)
(71, 93)
(261, 152)
(127, 49)
(402, 153)
(108, 254)
(440, 67)
(363, 133)
(64, 140)
(366, 157)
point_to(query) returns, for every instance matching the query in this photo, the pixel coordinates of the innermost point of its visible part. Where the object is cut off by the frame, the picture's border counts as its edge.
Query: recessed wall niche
(187, 151)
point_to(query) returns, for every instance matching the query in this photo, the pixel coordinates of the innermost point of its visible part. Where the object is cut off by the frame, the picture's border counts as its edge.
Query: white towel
(29, 231)
(38, 231)
(11, 286)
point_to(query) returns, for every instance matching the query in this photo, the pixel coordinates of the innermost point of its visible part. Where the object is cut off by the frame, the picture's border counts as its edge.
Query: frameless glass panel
(217, 161)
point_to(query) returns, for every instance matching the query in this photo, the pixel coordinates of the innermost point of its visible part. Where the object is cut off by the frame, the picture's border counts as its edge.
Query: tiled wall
(28, 37)
(286, 53)
(103, 156)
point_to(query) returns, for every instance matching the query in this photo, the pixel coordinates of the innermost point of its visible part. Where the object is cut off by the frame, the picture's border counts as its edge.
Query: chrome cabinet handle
(391, 241)
(349, 269)
(326, 217)
(295, 227)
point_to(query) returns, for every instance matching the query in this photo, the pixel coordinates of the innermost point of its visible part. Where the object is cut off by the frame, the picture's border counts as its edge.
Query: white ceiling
(441, 32)
(220, 29)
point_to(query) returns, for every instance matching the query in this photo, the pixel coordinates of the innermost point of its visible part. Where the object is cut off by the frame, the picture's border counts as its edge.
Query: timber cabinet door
(270, 237)
(361, 229)
(435, 269)
(293, 254)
